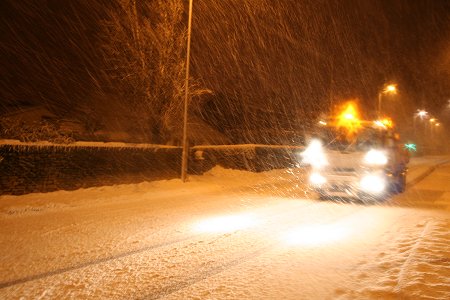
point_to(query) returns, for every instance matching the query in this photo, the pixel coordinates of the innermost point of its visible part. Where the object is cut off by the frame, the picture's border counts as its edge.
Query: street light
(185, 153)
(391, 88)
(422, 113)
(388, 89)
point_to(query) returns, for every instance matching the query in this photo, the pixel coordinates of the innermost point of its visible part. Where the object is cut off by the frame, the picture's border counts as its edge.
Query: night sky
(283, 58)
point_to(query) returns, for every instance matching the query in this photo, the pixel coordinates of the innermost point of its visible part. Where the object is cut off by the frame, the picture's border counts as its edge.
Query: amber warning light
(349, 118)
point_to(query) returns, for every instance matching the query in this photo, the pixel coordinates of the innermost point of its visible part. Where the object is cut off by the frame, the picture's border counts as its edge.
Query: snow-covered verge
(27, 167)
(11, 142)
(84, 144)
(420, 167)
(227, 235)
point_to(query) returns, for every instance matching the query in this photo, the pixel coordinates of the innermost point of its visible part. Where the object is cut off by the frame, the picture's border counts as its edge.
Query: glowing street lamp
(422, 113)
(391, 88)
(388, 89)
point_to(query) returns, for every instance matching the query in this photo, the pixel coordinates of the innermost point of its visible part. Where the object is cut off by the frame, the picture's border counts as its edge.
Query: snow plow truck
(353, 158)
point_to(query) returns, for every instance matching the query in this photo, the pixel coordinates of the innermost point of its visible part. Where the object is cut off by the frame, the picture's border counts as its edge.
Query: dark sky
(274, 56)
(322, 51)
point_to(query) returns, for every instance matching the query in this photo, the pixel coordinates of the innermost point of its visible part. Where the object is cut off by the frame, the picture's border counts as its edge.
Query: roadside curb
(426, 173)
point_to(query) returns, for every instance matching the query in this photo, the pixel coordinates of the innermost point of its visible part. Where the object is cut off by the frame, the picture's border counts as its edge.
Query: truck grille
(344, 170)
(340, 187)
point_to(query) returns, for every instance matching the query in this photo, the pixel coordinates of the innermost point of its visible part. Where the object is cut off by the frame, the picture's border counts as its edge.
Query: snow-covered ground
(228, 235)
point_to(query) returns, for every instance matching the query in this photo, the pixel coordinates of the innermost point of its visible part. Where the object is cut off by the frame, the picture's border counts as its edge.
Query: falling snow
(110, 74)
(228, 234)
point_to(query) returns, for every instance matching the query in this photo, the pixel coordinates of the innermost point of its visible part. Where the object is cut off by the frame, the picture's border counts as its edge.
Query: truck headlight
(375, 157)
(314, 155)
(373, 184)
(317, 179)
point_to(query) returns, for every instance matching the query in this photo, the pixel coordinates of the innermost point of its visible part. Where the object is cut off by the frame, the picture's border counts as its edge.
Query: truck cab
(367, 163)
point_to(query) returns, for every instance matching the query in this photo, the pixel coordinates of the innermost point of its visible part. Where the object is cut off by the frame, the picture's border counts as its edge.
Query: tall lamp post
(388, 89)
(185, 153)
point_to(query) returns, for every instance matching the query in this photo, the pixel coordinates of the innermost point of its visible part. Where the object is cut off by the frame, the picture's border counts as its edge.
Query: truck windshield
(334, 138)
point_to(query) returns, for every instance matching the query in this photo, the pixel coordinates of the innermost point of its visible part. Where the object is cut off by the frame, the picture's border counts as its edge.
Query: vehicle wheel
(399, 184)
(322, 195)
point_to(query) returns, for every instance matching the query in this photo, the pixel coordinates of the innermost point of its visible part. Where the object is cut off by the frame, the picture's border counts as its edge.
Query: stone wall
(255, 158)
(45, 168)
(26, 169)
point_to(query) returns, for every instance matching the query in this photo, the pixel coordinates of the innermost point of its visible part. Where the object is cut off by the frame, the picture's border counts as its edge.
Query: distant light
(422, 113)
(226, 224)
(323, 123)
(432, 120)
(379, 124)
(437, 124)
(385, 123)
(391, 88)
(411, 147)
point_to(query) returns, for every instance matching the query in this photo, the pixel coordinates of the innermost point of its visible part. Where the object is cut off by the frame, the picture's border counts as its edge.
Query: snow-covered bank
(421, 167)
(85, 144)
(174, 240)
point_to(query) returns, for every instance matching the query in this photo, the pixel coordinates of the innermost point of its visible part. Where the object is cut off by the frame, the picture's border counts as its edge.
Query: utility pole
(185, 153)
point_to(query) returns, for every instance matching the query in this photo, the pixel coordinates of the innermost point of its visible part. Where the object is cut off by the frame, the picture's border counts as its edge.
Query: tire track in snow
(91, 263)
(411, 253)
(409, 264)
(137, 251)
(212, 267)
(112, 257)
(413, 259)
(99, 260)
(213, 270)
(217, 269)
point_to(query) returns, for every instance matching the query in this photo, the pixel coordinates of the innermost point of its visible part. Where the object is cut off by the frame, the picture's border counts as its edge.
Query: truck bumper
(373, 185)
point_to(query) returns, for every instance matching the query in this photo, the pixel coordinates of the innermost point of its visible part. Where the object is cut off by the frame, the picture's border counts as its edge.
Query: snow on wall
(43, 168)
(27, 167)
(250, 157)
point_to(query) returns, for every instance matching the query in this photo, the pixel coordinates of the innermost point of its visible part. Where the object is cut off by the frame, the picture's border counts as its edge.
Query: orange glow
(385, 123)
(392, 88)
(379, 123)
(349, 119)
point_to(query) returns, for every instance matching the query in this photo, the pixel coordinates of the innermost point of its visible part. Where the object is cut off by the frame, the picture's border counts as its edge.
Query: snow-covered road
(228, 235)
